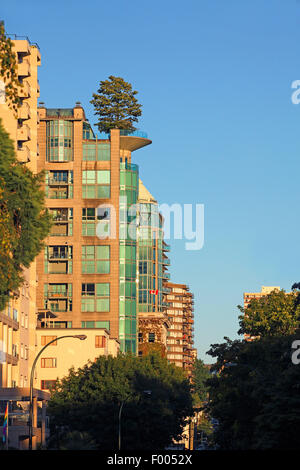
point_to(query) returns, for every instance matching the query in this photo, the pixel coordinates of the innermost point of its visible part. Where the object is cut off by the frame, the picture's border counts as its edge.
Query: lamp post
(81, 337)
(145, 392)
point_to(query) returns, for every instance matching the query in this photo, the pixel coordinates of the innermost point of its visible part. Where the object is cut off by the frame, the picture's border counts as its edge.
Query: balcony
(133, 140)
(24, 111)
(23, 154)
(165, 275)
(166, 290)
(166, 247)
(24, 68)
(166, 262)
(60, 255)
(54, 294)
(58, 268)
(23, 133)
(57, 182)
(24, 91)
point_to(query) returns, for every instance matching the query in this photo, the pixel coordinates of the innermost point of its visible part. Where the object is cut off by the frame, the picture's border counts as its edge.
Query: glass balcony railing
(135, 133)
(128, 166)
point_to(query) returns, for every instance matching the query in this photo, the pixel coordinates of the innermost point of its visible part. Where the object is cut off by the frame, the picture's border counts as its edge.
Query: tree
(275, 314)
(9, 70)
(200, 376)
(116, 105)
(89, 400)
(254, 394)
(24, 221)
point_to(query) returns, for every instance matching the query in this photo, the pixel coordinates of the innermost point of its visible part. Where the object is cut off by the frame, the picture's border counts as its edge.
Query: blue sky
(214, 78)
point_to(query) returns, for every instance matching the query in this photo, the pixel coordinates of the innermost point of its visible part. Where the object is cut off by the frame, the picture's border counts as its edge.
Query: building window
(96, 221)
(95, 259)
(95, 151)
(63, 222)
(59, 138)
(46, 339)
(95, 297)
(58, 259)
(48, 362)
(140, 337)
(96, 184)
(151, 337)
(47, 384)
(100, 341)
(59, 184)
(58, 297)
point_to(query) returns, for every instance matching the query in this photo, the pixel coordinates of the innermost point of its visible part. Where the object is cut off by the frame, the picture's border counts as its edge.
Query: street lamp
(146, 393)
(81, 337)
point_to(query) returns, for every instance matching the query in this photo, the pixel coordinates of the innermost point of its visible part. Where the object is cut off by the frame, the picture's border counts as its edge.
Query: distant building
(180, 311)
(152, 264)
(248, 296)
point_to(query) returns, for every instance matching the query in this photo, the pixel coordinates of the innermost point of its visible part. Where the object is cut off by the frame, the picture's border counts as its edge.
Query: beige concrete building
(17, 322)
(57, 359)
(265, 290)
(180, 341)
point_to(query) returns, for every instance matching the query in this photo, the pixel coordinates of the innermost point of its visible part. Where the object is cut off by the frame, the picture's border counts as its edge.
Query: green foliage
(116, 105)
(200, 376)
(254, 394)
(89, 400)
(24, 222)
(275, 314)
(9, 70)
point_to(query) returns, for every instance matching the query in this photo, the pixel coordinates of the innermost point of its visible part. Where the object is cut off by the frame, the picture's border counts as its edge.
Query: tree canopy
(88, 400)
(116, 105)
(254, 394)
(24, 221)
(275, 314)
(200, 376)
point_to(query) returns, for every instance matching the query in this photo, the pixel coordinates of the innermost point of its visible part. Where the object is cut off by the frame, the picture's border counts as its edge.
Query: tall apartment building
(265, 290)
(180, 336)
(17, 322)
(88, 272)
(152, 264)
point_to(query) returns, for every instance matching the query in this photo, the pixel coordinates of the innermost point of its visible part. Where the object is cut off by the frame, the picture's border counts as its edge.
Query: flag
(155, 292)
(5, 423)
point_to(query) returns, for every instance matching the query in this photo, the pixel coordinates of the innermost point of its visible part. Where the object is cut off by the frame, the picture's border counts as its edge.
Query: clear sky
(214, 78)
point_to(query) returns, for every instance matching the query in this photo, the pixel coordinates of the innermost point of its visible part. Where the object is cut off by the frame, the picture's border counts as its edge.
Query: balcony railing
(64, 256)
(166, 247)
(128, 166)
(54, 181)
(135, 133)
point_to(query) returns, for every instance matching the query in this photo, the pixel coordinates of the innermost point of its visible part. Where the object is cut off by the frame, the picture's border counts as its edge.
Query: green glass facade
(59, 141)
(150, 259)
(128, 258)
